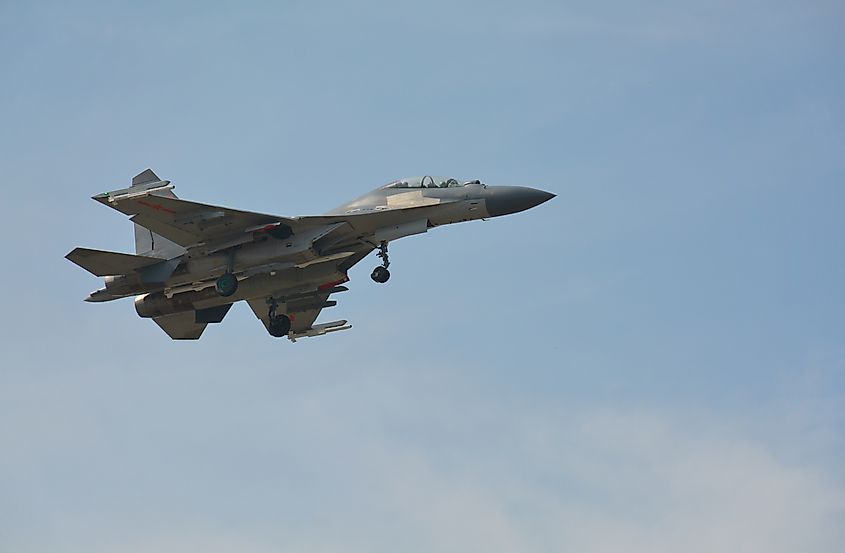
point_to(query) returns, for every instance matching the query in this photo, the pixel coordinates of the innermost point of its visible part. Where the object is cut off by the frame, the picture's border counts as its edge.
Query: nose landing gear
(381, 274)
(278, 325)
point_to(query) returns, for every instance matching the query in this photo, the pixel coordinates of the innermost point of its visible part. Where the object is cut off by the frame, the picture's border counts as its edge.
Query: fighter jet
(192, 261)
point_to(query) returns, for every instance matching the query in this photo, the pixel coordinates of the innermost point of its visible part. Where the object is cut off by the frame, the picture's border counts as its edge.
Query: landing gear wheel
(380, 275)
(226, 285)
(279, 326)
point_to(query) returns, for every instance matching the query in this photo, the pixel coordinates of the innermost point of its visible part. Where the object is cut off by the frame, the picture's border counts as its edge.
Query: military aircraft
(192, 261)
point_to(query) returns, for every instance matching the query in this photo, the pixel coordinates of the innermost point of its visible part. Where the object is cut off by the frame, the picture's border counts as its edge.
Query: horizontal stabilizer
(181, 326)
(103, 263)
(189, 325)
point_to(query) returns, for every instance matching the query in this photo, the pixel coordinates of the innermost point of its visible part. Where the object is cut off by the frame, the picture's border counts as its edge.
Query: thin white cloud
(370, 465)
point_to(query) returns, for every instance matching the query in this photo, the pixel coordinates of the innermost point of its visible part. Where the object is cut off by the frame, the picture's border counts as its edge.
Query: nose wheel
(278, 325)
(381, 274)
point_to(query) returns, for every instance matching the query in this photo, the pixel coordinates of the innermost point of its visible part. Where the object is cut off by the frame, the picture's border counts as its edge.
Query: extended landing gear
(226, 285)
(381, 274)
(279, 325)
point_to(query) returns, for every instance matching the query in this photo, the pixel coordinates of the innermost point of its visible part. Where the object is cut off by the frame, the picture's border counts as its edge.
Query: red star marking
(157, 207)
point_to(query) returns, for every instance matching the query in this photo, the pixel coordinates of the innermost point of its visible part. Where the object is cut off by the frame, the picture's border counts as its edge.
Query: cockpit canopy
(429, 182)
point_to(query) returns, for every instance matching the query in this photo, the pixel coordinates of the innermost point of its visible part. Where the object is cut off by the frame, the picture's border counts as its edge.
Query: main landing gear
(381, 274)
(278, 325)
(227, 284)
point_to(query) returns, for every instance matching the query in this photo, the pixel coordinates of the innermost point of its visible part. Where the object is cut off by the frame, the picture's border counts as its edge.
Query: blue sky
(653, 361)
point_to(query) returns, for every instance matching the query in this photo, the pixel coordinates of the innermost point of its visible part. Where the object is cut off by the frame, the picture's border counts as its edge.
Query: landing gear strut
(278, 325)
(381, 274)
(227, 284)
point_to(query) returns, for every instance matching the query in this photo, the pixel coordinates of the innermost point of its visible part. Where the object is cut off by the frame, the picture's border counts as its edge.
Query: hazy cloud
(378, 463)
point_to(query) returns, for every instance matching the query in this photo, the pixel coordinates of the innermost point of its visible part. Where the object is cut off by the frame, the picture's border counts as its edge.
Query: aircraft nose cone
(503, 200)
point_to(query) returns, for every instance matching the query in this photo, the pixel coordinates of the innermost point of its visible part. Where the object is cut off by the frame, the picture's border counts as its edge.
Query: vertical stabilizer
(146, 241)
(145, 177)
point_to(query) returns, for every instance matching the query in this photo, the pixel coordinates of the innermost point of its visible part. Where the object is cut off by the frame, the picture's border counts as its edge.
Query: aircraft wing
(190, 223)
(150, 203)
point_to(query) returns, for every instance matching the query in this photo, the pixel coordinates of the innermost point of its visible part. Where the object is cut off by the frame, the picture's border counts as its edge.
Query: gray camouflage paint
(306, 260)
